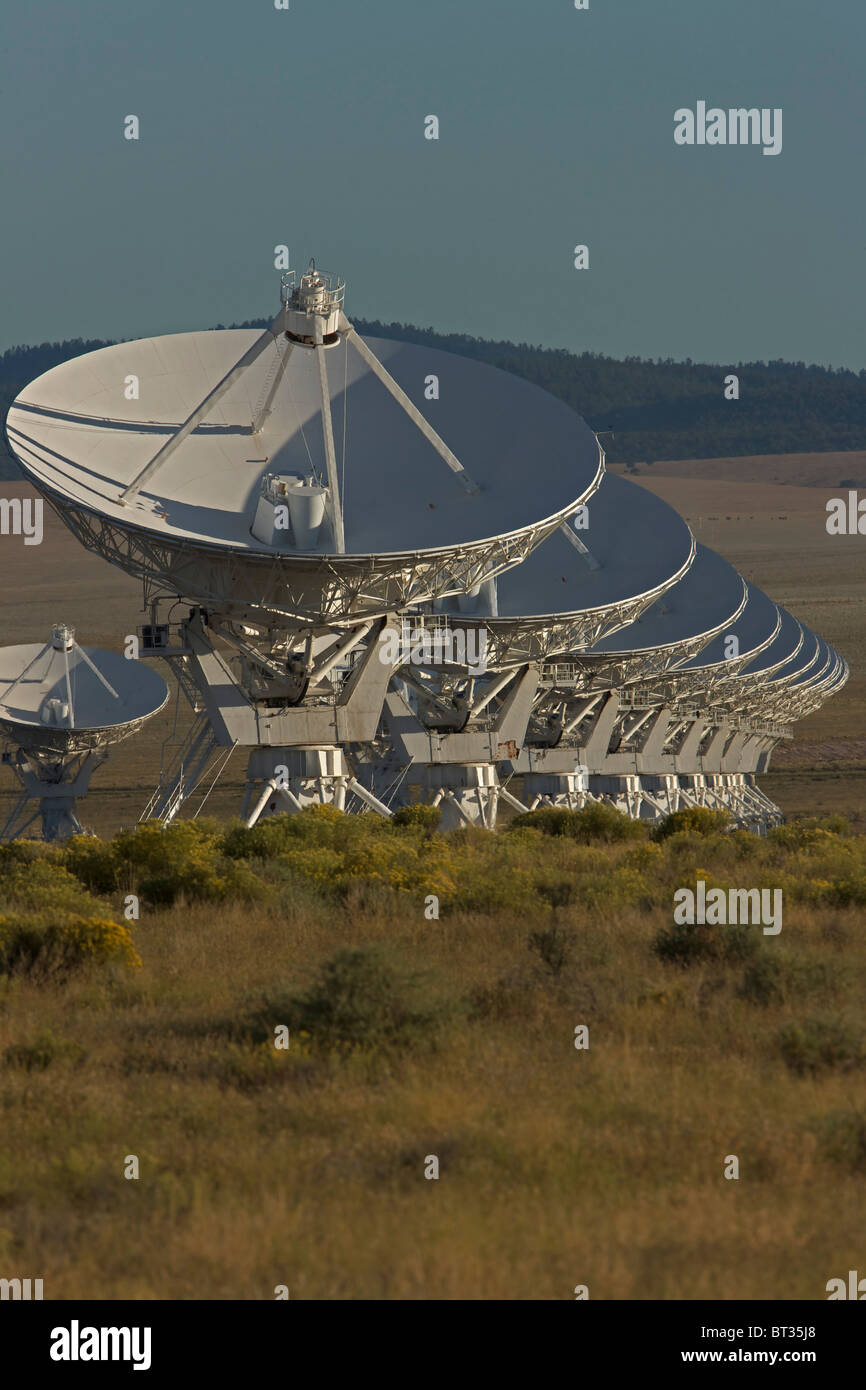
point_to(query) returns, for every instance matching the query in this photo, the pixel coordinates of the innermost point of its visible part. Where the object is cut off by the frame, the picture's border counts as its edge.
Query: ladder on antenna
(184, 774)
(265, 403)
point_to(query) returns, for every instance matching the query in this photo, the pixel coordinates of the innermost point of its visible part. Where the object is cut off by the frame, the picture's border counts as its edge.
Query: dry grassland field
(564, 1158)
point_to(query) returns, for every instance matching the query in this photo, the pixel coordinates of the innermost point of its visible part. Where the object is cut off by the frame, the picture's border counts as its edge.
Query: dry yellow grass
(558, 1166)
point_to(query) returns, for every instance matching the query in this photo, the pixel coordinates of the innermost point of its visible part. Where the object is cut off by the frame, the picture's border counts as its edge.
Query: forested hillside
(656, 409)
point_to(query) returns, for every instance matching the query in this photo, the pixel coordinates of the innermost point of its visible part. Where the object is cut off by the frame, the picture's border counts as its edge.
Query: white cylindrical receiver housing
(290, 511)
(55, 711)
(307, 512)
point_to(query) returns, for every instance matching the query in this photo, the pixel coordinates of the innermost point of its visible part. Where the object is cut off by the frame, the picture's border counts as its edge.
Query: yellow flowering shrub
(374, 860)
(47, 888)
(184, 859)
(88, 939)
(65, 945)
(644, 856)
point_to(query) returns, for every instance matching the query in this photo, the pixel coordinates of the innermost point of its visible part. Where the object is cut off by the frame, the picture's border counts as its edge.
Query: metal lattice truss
(695, 734)
(655, 676)
(724, 683)
(45, 742)
(54, 782)
(765, 697)
(652, 798)
(443, 741)
(650, 757)
(799, 698)
(649, 760)
(584, 672)
(514, 641)
(296, 715)
(315, 590)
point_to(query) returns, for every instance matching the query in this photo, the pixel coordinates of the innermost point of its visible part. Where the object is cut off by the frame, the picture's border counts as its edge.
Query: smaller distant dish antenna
(61, 707)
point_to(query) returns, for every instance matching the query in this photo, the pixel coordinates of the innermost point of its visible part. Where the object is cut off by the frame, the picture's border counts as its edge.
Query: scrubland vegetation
(413, 1035)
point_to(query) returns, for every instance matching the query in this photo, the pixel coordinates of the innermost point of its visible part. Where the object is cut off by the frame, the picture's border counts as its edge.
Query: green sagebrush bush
(597, 821)
(42, 1052)
(41, 885)
(843, 1138)
(684, 945)
(821, 1043)
(778, 975)
(339, 854)
(554, 945)
(314, 826)
(425, 817)
(93, 862)
(362, 1000)
(696, 820)
(164, 863)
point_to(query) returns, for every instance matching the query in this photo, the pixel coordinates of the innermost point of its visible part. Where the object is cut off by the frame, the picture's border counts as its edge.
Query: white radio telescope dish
(301, 470)
(61, 707)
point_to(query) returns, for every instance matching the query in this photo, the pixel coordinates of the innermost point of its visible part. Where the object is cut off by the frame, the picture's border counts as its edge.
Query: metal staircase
(185, 771)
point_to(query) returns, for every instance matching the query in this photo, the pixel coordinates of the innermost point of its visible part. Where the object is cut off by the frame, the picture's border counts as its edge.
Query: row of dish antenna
(404, 575)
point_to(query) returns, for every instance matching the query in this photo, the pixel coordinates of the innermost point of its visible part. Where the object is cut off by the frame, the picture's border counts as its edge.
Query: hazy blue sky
(306, 127)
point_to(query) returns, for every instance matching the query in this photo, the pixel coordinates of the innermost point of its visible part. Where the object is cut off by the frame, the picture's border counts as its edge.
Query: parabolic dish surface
(140, 691)
(637, 541)
(755, 626)
(709, 594)
(808, 661)
(81, 441)
(788, 646)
